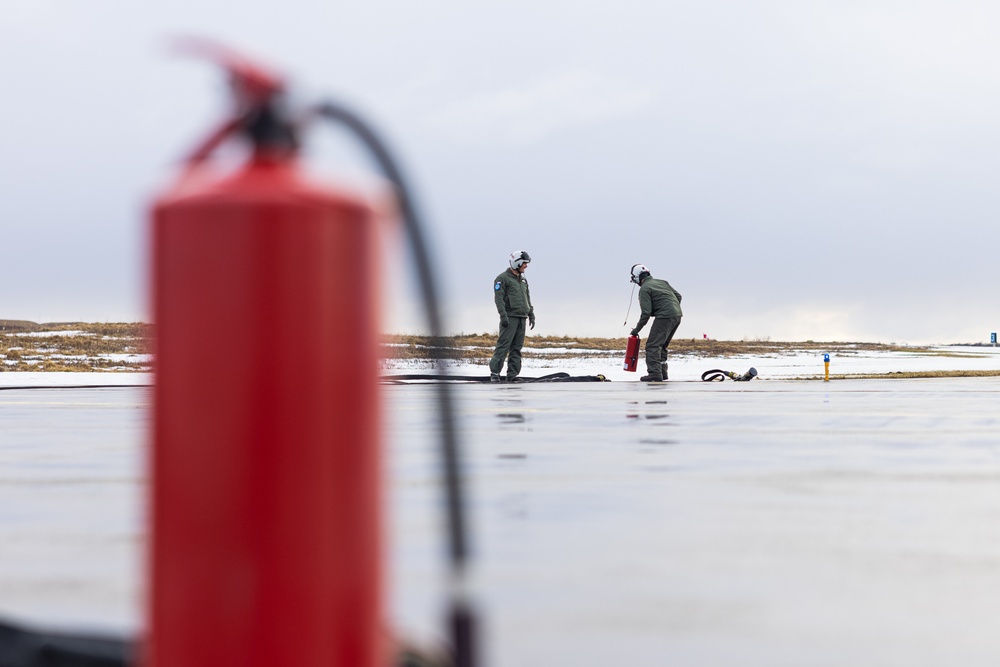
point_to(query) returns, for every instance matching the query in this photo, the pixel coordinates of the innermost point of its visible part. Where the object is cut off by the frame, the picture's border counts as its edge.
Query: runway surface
(766, 523)
(762, 523)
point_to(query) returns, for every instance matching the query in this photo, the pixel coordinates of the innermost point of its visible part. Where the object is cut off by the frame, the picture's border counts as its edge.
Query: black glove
(531, 321)
(504, 321)
(634, 332)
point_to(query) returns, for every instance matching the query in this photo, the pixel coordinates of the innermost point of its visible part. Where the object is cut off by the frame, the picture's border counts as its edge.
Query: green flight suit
(513, 302)
(659, 300)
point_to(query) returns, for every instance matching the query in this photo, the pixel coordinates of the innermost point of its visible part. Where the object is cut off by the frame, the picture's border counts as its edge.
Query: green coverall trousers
(510, 343)
(660, 334)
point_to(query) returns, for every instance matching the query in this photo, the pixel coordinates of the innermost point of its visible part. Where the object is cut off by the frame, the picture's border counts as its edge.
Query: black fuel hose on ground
(429, 378)
(716, 375)
(20, 647)
(462, 619)
(76, 386)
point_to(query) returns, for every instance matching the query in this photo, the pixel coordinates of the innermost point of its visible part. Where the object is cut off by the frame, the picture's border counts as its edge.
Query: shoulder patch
(496, 287)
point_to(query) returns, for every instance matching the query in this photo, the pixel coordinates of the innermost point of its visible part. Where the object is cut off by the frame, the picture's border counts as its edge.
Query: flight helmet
(639, 273)
(517, 258)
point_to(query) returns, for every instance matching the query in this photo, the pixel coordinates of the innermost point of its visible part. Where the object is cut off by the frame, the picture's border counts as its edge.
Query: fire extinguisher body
(265, 461)
(632, 354)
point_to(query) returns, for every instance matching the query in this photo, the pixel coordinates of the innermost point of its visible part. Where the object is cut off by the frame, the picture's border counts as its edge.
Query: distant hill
(18, 325)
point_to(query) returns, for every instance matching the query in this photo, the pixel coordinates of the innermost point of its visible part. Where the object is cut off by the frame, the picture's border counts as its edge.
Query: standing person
(659, 300)
(513, 301)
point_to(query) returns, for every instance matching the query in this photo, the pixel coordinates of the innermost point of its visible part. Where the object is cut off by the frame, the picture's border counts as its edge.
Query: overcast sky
(797, 170)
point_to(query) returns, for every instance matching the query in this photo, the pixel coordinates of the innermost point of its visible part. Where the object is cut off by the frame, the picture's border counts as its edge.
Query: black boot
(651, 378)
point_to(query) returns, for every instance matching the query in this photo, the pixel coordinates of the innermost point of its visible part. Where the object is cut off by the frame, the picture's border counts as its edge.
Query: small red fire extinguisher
(632, 354)
(266, 518)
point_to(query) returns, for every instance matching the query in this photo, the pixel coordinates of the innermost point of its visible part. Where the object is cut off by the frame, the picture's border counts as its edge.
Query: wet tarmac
(72, 501)
(763, 523)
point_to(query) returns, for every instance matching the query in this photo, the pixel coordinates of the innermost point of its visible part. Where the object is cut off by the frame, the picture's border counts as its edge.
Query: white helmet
(639, 271)
(517, 258)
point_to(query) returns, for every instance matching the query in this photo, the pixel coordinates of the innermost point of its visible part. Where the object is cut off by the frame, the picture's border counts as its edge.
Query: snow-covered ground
(771, 367)
(42, 379)
(682, 367)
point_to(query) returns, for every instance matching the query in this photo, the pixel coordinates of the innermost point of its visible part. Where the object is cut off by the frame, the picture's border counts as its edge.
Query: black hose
(718, 375)
(461, 616)
(428, 378)
(77, 386)
(22, 647)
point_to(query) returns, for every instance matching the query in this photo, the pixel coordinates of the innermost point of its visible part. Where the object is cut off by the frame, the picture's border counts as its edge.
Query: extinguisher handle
(256, 91)
(254, 83)
(213, 141)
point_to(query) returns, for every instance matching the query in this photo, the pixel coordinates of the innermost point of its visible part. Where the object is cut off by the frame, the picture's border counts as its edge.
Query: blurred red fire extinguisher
(266, 504)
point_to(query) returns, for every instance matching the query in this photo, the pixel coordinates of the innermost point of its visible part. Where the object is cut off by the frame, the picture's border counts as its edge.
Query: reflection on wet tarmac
(780, 520)
(638, 413)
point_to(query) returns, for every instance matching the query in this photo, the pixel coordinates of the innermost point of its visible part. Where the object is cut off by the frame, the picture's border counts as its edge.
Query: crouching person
(657, 299)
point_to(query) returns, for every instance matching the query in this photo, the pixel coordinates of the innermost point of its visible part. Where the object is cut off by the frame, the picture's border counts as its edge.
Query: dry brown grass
(82, 351)
(908, 375)
(86, 351)
(480, 346)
